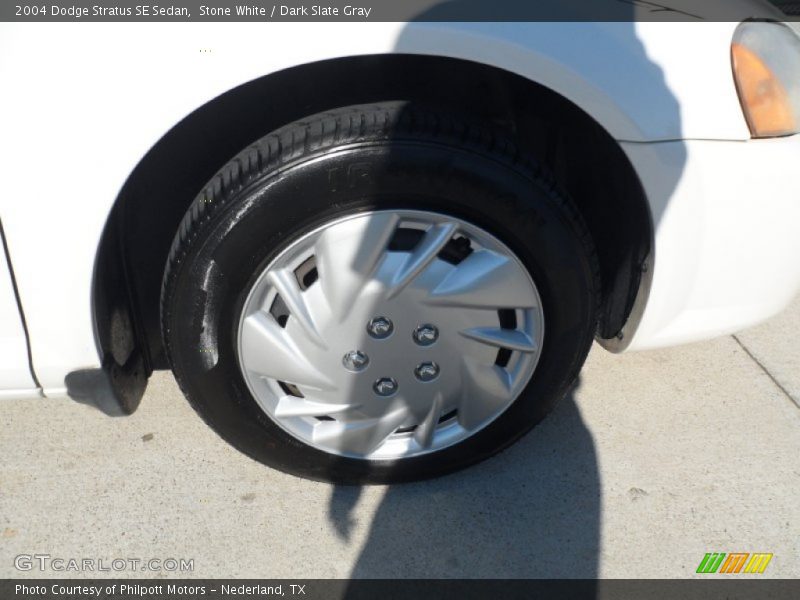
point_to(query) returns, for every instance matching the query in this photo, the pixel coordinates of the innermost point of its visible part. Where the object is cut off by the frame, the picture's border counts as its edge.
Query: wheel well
(582, 155)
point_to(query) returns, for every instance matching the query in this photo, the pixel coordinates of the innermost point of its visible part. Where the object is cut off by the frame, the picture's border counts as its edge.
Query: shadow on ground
(532, 511)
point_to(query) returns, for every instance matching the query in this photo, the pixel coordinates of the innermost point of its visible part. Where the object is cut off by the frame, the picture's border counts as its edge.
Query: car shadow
(533, 511)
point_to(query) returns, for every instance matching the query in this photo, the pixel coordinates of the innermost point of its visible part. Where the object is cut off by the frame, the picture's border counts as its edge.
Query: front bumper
(726, 217)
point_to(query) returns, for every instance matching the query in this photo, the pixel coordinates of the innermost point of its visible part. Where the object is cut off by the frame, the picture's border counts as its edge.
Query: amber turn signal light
(766, 68)
(765, 101)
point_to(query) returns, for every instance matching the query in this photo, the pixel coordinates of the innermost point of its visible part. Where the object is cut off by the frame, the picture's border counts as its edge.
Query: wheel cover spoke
(486, 387)
(501, 338)
(485, 279)
(337, 359)
(285, 283)
(425, 252)
(290, 406)
(423, 434)
(267, 351)
(348, 256)
(361, 437)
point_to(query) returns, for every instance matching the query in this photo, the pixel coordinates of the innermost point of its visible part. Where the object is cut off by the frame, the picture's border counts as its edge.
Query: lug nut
(425, 335)
(385, 386)
(355, 360)
(380, 328)
(426, 371)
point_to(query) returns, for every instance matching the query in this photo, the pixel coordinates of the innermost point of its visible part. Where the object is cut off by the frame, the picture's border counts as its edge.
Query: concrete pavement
(654, 460)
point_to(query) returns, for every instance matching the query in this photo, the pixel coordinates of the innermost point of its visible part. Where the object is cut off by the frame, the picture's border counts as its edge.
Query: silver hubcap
(390, 334)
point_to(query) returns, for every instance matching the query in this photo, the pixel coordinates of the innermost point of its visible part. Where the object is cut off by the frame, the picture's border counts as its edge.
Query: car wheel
(378, 294)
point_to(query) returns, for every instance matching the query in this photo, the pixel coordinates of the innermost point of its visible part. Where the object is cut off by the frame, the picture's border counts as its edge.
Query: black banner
(733, 588)
(399, 10)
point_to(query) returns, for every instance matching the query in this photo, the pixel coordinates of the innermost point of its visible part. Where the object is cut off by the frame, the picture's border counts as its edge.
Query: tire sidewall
(206, 294)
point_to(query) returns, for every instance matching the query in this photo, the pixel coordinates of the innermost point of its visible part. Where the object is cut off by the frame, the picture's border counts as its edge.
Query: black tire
(349, 160)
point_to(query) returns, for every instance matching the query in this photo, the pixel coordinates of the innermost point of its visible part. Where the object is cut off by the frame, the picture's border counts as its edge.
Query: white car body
(77, 94)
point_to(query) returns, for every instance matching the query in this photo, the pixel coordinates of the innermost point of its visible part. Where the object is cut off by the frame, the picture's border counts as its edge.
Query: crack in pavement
(777, 383)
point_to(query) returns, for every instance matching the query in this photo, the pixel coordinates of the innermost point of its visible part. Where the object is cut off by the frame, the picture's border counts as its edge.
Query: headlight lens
(766, 67)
